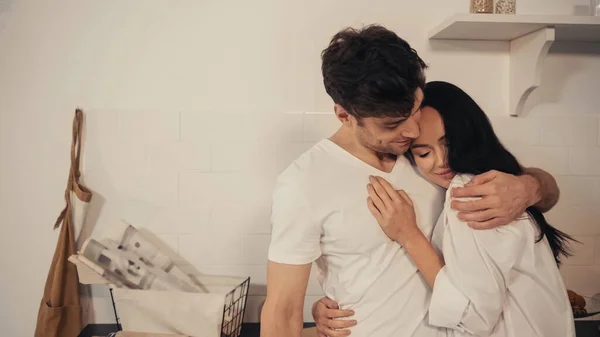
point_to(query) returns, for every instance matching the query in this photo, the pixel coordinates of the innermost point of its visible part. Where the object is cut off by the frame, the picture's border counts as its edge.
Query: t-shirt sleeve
(295, 233)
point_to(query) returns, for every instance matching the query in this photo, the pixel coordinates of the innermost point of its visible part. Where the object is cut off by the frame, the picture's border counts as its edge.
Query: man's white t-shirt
(320, 214)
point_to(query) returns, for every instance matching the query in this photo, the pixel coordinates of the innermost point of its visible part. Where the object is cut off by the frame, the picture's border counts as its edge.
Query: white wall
(193, 107)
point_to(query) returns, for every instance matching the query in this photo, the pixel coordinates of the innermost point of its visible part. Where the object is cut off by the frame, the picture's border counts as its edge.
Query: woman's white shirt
(497, 282)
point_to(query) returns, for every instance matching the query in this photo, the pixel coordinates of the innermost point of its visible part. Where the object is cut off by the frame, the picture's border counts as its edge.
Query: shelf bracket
(527, 56)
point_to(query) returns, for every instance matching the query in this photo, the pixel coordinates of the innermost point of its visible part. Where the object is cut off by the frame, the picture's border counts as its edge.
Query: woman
(498, 282)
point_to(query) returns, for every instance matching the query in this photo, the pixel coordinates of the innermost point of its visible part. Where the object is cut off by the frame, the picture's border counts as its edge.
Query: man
(320, 209)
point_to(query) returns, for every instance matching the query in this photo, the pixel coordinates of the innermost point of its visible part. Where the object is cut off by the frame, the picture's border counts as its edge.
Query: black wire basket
(234, 309)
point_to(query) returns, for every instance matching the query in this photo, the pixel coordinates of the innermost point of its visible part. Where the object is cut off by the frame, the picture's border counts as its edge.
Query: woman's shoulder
(461, 179)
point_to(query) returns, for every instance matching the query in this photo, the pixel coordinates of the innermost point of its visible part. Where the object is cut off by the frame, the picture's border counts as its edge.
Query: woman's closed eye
(423, 155)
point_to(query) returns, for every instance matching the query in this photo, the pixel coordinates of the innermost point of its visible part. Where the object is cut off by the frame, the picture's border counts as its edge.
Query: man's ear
(343, 115)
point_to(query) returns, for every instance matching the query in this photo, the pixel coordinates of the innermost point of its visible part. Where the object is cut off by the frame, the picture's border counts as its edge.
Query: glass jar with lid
(482, 6)
(506, 6)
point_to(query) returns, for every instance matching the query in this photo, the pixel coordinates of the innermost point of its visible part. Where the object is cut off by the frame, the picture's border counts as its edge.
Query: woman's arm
(395, 213)
(469, 291)
(425, 257)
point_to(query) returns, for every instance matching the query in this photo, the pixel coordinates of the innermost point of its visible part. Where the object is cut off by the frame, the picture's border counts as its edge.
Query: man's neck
(382, 161)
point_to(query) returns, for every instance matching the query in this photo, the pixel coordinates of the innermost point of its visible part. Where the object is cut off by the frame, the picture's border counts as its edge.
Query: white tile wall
(578, 190)
(181, 220)
(582, 131)
(583, 252)
(257, 274)
(319, 125)
(148, 126)
(585, 160)
(517, 130)
(255, 248)
(246, 217)
(211, 247)
(181, 155)
(597, 250)
(598, 132)
(233, 156)
(552, 158)
(575, 220)
(201, 188)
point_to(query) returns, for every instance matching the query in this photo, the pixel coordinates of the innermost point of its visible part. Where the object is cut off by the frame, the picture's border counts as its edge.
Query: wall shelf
(530, 38)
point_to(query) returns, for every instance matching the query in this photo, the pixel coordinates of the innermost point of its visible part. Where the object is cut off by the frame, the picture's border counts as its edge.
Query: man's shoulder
(308, 166)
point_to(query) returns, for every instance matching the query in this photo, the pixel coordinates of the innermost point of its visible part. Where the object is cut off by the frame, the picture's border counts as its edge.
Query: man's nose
(411, 128)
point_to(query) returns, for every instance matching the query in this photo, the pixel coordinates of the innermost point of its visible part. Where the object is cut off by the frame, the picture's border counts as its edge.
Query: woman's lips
(446, 174)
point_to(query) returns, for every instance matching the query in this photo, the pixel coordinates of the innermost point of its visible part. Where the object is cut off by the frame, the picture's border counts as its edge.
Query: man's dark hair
(372, 72)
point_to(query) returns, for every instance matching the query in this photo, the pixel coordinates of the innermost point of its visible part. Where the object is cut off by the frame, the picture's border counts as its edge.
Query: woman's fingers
(405, 196)
(375, 199)
(389, 189)
(377, 184)
(374, 210)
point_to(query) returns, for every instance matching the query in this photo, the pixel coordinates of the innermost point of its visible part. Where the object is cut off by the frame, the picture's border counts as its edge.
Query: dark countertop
(248, 329)
(587, 328)
(584, 329)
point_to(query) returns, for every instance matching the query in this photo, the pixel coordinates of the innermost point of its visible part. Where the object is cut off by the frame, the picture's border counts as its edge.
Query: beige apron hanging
(60, 310)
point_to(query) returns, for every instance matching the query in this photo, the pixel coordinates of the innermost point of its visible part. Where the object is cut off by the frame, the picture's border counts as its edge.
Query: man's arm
(504, 197)
(282, 313)
(546, 191)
